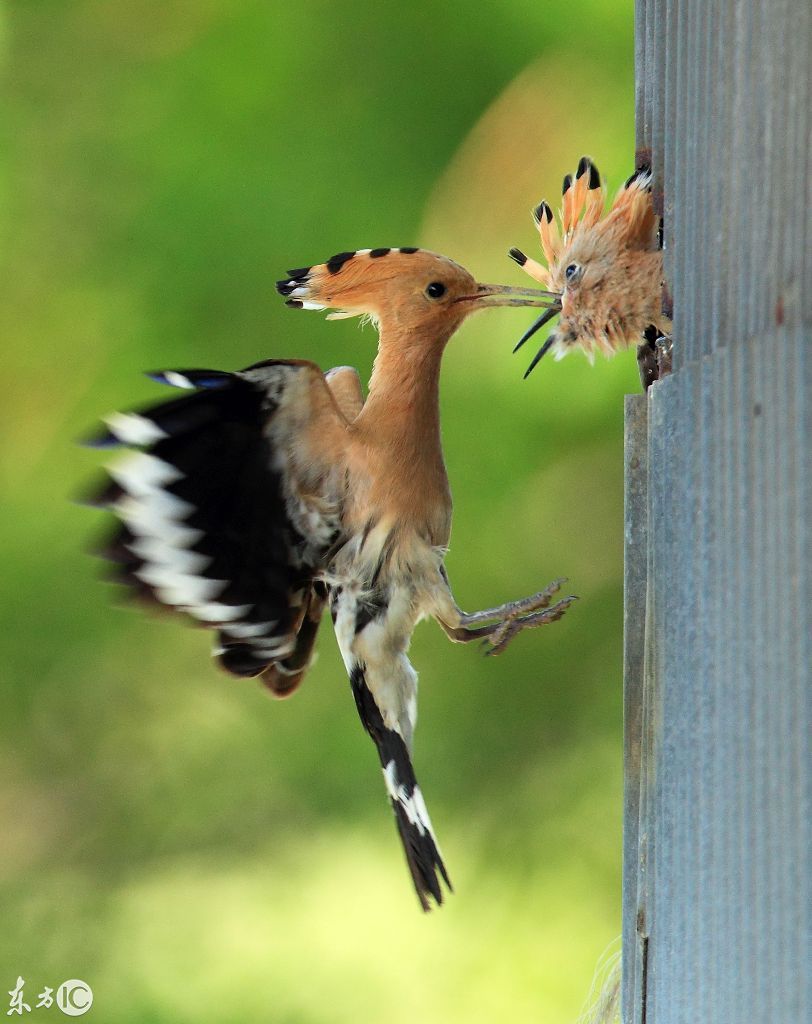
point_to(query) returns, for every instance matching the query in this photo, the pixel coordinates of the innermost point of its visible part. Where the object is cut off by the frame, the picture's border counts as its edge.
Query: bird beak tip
(538, 356)
(545, 318)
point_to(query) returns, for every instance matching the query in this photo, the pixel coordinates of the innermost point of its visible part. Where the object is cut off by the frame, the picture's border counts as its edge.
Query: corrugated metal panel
(721, 816)
(634, 620)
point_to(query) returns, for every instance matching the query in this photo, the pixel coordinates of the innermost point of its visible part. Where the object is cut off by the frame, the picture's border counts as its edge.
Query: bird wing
(345, 387)
(373, 641)
(229, 507)
(282, 679)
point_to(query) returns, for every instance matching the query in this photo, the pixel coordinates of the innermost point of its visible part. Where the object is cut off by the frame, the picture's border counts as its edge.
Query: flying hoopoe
(265, 495)
(606, 272)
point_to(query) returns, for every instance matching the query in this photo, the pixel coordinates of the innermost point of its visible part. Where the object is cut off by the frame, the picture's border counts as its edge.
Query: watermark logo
(73, 997)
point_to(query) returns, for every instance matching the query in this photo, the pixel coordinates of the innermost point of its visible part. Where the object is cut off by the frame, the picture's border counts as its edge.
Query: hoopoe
(264, 496)
(606, 272)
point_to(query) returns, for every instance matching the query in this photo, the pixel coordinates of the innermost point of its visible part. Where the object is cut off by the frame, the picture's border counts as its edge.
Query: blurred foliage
(190, 848)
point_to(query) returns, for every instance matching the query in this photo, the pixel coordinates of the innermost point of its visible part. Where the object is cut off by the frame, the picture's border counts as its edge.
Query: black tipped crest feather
(606, 267)
(335, 263)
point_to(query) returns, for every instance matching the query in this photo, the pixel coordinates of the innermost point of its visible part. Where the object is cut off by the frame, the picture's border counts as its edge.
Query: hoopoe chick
(606, 271)
(261, 497)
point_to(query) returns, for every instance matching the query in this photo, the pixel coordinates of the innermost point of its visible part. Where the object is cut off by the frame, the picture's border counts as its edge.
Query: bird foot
(527, 614)
(654, 357)
(665, 345)
(514, 609)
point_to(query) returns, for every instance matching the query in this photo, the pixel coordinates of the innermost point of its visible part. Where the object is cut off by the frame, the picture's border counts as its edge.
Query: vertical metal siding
(717, 857)
(634, 648)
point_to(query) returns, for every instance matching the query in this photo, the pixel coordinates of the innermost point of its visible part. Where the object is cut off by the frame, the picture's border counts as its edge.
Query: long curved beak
(545, 318)
(502, 295)
(545, 348)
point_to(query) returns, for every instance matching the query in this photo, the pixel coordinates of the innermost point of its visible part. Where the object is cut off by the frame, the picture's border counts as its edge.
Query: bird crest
(325, 285)
(604, 269)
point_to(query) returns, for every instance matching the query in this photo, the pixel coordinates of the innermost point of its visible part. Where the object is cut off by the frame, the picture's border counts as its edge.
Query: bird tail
(414, 826)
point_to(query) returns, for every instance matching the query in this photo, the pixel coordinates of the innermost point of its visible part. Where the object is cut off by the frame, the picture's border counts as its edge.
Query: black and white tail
(414, 825)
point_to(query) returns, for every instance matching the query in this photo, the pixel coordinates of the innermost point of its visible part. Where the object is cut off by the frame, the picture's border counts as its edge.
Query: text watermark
(73, 997)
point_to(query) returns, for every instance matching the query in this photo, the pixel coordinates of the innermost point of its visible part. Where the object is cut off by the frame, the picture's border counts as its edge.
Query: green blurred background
(192, 849)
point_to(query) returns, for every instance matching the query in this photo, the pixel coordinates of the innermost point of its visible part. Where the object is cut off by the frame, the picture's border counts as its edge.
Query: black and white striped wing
(214, 522)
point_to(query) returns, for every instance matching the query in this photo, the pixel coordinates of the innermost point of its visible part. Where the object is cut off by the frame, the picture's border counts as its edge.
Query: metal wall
(718, 862)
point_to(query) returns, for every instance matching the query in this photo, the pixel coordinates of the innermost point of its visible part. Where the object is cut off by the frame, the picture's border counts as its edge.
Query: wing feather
(227, 511)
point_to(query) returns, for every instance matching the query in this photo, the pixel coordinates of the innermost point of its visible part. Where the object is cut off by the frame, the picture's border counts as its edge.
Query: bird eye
(435, 290)
(572, 271)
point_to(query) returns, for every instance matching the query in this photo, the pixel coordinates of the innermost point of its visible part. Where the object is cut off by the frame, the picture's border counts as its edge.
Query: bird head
(405, 289)
(605, 271)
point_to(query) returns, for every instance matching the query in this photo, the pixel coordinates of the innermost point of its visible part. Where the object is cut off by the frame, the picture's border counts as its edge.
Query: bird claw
(533, 603)
(526, 618)
(665, 345)
(654, 357)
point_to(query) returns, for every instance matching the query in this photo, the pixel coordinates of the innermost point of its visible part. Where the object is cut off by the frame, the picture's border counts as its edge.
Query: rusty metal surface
(723, 889)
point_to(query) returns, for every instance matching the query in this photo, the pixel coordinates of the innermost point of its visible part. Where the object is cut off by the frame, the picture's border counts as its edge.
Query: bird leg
(654, 356)
(506, 620)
